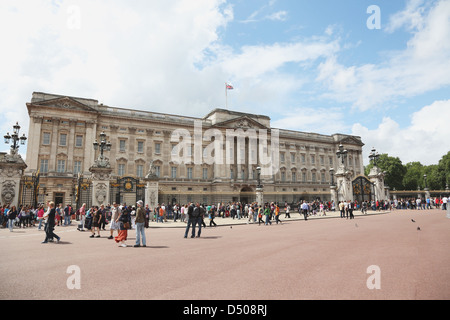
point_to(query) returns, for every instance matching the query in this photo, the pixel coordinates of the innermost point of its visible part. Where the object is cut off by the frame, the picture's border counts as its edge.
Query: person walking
(212, 215)
(191, 221)
(50, 226)
(58, 214)
(40, 216)
(96, 218)
(102, 221)
(12, 215)
(140, 225)
(342, 209)
(115, 213)
(250, 214)
(287, 212)
(67, 215)
(277, 214)
(82, 213)
(267, 213)
(350, 209)
(199, 213)
(304, 209)
(125, 224)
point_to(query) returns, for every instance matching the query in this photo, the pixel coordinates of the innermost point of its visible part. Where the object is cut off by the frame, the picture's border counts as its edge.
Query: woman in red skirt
(124, 221)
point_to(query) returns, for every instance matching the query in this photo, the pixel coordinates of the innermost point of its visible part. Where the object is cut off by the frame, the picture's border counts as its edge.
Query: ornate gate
(29, 190)
(126, 190)
(362, 189)
(83, 192)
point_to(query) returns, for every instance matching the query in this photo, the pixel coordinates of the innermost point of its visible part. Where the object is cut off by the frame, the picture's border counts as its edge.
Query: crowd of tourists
(122, 217)
(421, 204)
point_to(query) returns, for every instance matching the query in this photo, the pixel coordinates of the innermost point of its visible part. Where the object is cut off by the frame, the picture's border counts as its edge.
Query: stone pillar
(376, 176)
(152, 189)
(260, 196)
(34, 141)
(427, 194)
(151, 192)
(100, 185)
(333, 193)
(448, 210)
(12, 167)
(344, 190)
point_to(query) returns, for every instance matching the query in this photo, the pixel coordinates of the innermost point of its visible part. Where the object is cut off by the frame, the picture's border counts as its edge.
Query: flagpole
(226, 96)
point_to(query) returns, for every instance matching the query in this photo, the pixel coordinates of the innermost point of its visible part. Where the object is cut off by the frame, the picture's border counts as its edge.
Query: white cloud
(164, 56)
(426, 139)
(411, 18)
(134, 55)
(421, 67)
(278, 16)
(324, 120)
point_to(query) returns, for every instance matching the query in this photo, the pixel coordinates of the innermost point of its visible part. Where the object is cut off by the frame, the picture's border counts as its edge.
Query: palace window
(122, 145)
(173, 172)
(44, 166)
(63, 139)
(61, 166)
(46, 138)
(140, 146)
(78, 141)
(77, 166)
(140, 170)
(157, 148)
(121, 169)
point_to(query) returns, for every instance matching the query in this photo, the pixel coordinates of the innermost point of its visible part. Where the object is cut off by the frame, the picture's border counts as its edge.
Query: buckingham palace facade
(220, 160)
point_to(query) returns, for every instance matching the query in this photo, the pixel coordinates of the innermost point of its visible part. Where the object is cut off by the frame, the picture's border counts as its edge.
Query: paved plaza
(322, 258)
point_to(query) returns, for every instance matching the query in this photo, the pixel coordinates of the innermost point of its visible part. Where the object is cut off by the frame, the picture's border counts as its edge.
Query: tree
(413, 177)
(443, 171)
(433, 181)
(394, 170)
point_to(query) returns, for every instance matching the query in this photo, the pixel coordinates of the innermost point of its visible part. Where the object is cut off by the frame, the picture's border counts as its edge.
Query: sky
(375, 69)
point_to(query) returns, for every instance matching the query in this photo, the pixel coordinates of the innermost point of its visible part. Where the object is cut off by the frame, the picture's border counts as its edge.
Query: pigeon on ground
(413, 220)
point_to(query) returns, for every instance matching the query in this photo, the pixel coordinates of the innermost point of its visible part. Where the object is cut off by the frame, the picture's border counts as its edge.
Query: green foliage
(394, 170)
(411, 176)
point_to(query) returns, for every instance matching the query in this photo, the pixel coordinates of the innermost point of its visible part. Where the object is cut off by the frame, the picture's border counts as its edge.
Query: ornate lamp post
(342, 154)
(15, 139)
(101, 172)
(258, 171)
(374, 156)
(102, 145)
(14, 166)
(332, 176)
(259, 189)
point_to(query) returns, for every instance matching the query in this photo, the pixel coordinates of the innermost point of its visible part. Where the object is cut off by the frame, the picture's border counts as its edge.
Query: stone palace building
(225, 147)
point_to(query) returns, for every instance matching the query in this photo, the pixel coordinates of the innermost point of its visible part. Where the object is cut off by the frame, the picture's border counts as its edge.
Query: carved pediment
(65, 103)
(351, 140)
(244, 122)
